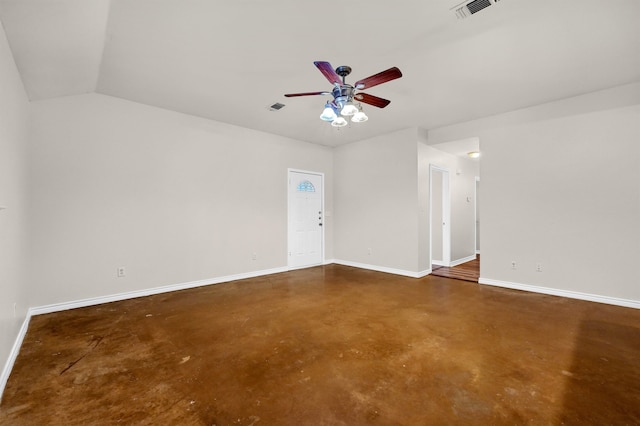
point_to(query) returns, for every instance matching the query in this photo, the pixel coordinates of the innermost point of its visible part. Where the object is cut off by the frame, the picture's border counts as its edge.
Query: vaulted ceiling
(229, 61)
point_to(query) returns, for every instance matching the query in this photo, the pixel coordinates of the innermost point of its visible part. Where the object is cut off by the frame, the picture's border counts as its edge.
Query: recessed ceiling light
(473, 154)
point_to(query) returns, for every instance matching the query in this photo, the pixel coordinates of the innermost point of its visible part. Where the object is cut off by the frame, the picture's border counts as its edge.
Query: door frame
(324, 222)
(475, 214)
(446, 215)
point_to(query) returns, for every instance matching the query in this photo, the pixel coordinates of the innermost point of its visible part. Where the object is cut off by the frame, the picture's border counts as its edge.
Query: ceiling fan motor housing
(343, 94)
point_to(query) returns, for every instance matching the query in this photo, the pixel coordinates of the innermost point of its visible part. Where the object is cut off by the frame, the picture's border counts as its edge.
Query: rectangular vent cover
(468, 8)
(478, 5)
(276, 107)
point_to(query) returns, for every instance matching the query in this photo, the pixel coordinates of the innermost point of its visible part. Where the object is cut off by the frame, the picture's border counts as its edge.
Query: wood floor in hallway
(330, 345)
(468, 271)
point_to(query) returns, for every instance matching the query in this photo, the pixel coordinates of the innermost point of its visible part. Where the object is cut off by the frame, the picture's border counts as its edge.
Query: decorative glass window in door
(306, 186)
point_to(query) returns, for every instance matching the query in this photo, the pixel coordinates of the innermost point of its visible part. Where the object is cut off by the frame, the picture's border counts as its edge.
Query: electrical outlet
(539, 267)
(254, 256)
(513, 264)
(121, 272)
(369, 251)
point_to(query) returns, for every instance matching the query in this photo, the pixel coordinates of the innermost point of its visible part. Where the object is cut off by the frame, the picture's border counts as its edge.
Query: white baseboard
(383, 269)
(8, 366)
(627, 303)
(424, 273)
(477, 251)
(453, 263)
(56, 307)
(463, 260)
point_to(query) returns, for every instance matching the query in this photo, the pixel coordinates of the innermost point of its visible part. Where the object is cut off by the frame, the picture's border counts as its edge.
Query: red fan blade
(291, 95)
(381, 77)
(371, 100)
(327, 70)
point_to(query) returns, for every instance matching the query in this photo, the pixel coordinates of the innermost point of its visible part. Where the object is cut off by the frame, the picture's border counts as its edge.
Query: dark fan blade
(372, 100)
(381, 77)
(327, 70)
(291, 95)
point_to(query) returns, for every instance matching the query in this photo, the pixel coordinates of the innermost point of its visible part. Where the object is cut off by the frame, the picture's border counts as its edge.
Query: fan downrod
(343, 71)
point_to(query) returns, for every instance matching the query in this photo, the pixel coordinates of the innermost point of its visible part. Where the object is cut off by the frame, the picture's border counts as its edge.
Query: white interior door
(306, 219)
(440, 216)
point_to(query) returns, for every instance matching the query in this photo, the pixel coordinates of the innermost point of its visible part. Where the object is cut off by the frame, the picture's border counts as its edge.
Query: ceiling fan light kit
(339, 122)
(349, 109)
(359, 117)
(329, 113)
(344, 94)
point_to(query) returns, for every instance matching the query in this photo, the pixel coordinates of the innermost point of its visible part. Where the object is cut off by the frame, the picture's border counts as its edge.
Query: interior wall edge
(627, 303)
(463, 260)
(377, 268)
(13, 354)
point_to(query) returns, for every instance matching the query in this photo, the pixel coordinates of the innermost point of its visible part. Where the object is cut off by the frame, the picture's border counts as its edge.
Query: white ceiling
(460, 148)
(228, 61)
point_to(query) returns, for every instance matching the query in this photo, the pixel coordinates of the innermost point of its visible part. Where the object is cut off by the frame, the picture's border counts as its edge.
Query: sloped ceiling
(228, 61)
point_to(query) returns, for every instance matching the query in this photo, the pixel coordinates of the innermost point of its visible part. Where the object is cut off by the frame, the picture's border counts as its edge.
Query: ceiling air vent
(276, 107)
(468, 8)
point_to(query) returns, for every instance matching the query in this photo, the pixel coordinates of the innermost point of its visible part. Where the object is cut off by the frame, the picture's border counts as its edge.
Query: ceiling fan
(345, 94)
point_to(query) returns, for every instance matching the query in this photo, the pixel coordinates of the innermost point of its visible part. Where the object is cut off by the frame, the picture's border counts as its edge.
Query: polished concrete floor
(331, 345)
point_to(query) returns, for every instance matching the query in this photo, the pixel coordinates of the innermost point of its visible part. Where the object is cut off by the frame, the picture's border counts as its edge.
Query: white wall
(376, 201)
(382, 201)
(172, 198)
(561, 187)
(14, 112)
